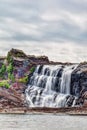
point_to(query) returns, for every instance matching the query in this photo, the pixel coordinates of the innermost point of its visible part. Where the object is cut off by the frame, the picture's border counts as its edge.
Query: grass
(23, 80)
(4, 83)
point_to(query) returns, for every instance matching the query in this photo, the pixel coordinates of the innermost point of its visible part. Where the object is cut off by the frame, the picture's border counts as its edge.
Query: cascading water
(49, 86)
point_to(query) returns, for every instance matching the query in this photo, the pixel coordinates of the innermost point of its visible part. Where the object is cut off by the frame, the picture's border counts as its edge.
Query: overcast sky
(56, 28)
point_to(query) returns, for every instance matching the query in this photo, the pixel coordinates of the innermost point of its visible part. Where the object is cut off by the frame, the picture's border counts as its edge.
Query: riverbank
(65, 111)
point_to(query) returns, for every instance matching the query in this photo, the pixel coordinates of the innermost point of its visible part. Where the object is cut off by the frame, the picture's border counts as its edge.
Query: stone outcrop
(39, 59)
(79, 83)
(23, 65)
(14, 96)
(19, 57)
(79, 79)
(17, 53)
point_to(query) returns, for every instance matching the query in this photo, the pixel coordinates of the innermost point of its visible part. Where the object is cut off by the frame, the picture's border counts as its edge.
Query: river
(42, 122)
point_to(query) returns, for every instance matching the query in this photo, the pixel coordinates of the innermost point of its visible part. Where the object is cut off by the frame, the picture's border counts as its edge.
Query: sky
(56, 28)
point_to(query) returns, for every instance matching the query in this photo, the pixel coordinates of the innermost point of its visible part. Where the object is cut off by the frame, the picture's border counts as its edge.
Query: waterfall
(49, 86)
(66, 79)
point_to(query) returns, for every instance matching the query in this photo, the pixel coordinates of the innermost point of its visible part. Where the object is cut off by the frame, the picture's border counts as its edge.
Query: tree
(2, 70)
(12, 78)
(10, 68)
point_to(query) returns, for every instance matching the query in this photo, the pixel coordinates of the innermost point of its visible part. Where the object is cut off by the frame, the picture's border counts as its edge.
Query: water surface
(42, 122)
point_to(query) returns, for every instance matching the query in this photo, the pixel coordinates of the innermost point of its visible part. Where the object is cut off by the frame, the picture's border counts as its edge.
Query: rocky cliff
(16, 69)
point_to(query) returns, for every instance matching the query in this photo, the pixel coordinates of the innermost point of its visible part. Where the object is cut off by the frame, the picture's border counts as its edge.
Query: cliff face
(79, 83)
(79, 78)
(16, 69)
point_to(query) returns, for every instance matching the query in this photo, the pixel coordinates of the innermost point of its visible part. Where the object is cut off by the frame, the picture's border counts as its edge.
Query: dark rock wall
(79, 80)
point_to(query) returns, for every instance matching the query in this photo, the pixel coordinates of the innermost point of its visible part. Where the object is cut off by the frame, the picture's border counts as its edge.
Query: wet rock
(79, 79)
(69, 100)
(40, 69)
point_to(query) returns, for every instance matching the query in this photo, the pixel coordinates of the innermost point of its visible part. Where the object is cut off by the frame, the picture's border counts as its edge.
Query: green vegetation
(32, 69)
(15, 53)
(7, 72)
(23, 80)
(10, 68)
(11, 77)
(4, 83)
(20, 54)
(2, 70)
(9, 58)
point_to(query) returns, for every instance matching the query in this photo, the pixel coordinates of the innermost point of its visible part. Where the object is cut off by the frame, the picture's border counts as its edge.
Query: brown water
(42, 122)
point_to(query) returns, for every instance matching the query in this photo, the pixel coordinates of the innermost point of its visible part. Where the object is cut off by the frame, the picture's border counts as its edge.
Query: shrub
(32, 69)
(10, 68)
(9, 58)
(4, 84)
(2, 70)
(24, 79)
(11, 77)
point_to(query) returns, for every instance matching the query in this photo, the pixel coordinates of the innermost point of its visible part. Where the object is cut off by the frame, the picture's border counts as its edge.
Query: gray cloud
(48, 21)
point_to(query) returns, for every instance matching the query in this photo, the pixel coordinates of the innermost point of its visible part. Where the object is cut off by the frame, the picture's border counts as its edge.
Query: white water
(66, 79)
(50, 86)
